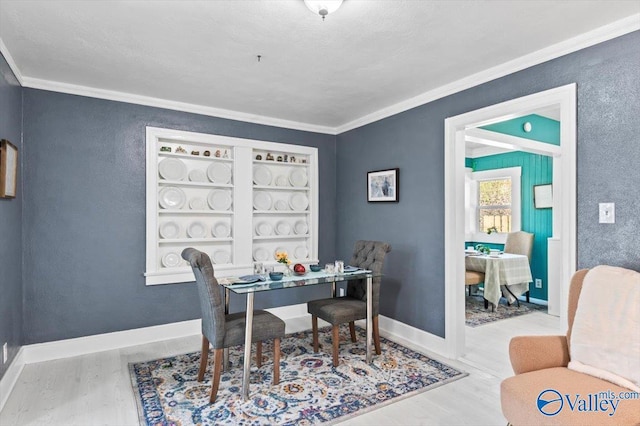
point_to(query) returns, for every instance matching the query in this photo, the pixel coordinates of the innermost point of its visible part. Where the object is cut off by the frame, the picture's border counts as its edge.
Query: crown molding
(92, 92)
(11, 62)
(582, 41)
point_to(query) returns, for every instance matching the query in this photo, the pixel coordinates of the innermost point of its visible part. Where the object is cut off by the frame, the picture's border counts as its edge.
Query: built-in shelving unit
(238, 200)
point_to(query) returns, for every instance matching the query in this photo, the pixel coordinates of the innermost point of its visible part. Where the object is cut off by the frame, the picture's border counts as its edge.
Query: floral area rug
(311, 390)
(477, 315)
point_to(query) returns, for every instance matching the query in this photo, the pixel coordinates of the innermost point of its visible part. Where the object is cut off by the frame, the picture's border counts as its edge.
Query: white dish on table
(172, 169)
(171, 197)
(169, 229)
(219, 173)
(262, 201)
(262, 175)
(219, 200)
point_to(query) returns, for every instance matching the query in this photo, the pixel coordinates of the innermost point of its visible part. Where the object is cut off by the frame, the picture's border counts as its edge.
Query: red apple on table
(299, 268)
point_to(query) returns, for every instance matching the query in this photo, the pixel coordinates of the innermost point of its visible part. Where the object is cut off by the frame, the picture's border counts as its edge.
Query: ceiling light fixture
(323, 7)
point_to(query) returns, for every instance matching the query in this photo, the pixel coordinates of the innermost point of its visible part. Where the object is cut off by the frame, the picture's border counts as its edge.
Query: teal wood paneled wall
(468, 162)
(536, 170)
(543, 129)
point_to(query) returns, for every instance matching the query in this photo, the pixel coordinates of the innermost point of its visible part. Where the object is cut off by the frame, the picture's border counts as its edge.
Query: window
(493, 204)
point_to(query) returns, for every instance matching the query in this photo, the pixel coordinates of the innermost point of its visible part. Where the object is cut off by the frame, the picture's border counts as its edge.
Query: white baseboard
(412, 337)
(11, 376)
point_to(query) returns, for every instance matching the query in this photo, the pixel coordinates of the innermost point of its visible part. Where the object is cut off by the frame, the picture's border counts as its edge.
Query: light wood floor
(96, 390)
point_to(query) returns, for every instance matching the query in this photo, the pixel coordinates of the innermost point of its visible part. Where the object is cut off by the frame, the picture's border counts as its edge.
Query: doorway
(563, 239)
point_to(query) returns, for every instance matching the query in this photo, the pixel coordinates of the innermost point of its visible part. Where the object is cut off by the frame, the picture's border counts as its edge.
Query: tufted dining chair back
(519, 243)
(368, 255)
(209, 291)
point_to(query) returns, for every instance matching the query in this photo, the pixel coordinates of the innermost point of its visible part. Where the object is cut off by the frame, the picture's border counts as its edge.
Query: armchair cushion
(605, 340)
(519, 399)
(531, 353)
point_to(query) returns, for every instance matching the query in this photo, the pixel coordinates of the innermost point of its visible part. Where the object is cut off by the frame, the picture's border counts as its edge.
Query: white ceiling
(364, 58)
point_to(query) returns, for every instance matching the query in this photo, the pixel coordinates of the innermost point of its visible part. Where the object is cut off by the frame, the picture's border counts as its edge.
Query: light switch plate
(607, 213)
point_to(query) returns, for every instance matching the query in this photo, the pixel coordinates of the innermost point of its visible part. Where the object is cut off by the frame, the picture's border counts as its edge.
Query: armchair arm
(531, 353)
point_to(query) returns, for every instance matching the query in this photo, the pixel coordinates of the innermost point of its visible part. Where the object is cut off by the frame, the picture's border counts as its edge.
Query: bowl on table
(315, 268)
(275, 276)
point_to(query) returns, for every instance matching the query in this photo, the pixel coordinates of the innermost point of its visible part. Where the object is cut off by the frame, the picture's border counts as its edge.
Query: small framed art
(383, 186)
(543, 196)
(8, 169)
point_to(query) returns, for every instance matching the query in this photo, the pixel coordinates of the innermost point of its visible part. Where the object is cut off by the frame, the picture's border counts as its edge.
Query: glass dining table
(237, 286)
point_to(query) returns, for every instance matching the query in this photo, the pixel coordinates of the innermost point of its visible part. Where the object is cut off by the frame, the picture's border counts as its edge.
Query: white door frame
(564, 198)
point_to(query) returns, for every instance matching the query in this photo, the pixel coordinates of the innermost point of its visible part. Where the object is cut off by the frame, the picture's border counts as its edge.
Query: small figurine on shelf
(207, 153)
(165, 149)
(292, 159)
(286, 158)
(304, 161)
(258, 157)
(226, 154)
(181, 150)
(217, 154)
(280, 158)
(195, 152)
(269, 157)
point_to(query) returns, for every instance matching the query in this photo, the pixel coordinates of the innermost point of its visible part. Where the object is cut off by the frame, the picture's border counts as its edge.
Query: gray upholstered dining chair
(352, 307)
(520, 242)
(224, 330)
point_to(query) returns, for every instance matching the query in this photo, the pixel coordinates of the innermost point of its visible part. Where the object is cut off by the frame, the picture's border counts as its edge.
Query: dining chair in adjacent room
(472, 278)
(352, 307)
(225, 330)
(520, 242)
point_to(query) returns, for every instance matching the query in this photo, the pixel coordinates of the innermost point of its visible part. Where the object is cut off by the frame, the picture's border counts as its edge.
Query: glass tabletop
(310, 278)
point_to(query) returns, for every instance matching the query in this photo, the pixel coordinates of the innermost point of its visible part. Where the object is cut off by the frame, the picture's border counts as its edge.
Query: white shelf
(280, 163)
(193, 240)
(197, 184)
(194, 157)
(281, 188)
(188, 212)
(277, 212)
(281, 237)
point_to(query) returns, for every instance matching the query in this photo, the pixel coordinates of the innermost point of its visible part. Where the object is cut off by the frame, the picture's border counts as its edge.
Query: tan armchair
(540, 363)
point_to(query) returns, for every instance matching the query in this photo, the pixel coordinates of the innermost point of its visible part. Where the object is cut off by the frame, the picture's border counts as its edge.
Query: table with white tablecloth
(505, 274)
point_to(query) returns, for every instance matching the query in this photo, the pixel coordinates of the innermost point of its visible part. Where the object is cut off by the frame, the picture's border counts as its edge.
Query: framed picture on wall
(383, 186)
(543, 196)
(8, 169)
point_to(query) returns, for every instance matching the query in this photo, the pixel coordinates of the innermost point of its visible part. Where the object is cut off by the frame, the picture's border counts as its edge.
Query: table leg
(225, 352)
(247, 347)
(333, 289)
(369, 317)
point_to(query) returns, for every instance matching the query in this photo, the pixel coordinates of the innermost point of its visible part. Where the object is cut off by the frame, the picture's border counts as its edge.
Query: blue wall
(84, 213)
(608, 103)
(536, 170)
(11, 221)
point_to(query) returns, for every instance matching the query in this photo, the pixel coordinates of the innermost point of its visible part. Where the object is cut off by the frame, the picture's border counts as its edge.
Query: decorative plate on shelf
(172, 169)
(221, 257)
(262, 175)
(169, 229)
(299, 202)
(281, 205)
(197, 203)
(301, 227)
(197, 229)
(283, 228)
(171, 197)
(262, 201)
(282, 181)
(197, 175)
(219, 200)
(171, 260)
(219, 173)
(298, 178)
(221, 230)
(260, 254)
(301, 252)
(264, 229)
